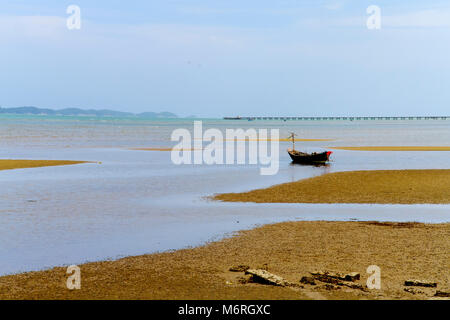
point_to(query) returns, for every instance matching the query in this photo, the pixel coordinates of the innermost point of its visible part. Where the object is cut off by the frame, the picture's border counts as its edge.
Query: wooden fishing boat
(309, 158)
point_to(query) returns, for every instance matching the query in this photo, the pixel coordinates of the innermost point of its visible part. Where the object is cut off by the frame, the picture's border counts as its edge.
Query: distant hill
(81, 112)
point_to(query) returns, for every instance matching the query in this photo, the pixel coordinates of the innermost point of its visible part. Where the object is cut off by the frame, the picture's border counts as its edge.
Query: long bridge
(339, 118)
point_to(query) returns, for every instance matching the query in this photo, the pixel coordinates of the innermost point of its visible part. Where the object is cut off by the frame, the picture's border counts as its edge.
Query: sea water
(130, 202)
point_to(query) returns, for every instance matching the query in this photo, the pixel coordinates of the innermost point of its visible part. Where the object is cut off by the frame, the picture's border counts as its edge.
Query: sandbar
(377, 186)
(9, 164)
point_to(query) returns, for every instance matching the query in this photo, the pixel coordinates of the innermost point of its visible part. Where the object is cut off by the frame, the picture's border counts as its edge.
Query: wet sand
(378, 186)
(291, 250)
(7, 164)
(394, 148)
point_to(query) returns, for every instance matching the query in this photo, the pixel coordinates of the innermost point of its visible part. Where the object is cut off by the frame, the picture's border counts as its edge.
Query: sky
(215, 58)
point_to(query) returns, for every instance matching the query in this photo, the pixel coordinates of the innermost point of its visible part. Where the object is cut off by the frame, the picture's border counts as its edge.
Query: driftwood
(263, 276)
(420, 283)
(339, 279)
(332, 277)
(442, 294)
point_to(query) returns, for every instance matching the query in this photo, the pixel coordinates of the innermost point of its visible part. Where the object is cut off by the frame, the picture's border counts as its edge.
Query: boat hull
(309, 158)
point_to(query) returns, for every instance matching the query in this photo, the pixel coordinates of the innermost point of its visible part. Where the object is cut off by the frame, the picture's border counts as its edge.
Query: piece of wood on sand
(442, 294)
(339, 279)
(332, 277)
(265, 277)
(420, 283)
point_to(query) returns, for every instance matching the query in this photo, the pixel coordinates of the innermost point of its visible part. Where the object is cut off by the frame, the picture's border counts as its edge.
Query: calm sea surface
(138, 202)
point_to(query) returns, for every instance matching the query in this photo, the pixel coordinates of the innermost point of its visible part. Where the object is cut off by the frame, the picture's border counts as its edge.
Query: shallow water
(138, 202)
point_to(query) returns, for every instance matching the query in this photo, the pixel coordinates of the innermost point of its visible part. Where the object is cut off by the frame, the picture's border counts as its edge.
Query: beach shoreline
(291, 250)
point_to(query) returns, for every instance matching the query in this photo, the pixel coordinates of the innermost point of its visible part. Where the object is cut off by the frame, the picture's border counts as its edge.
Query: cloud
(32, 27)
(418, 19)
(47, 37)
(421, 19)
(334, 5)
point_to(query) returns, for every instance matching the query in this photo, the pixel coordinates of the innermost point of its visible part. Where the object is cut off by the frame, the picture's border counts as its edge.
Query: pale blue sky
(227, 57)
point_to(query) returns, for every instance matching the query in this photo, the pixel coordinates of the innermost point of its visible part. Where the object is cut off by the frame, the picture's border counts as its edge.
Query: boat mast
(293, 140)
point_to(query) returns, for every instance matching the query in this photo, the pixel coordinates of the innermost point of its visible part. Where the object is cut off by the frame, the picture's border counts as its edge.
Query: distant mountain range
(81, 112)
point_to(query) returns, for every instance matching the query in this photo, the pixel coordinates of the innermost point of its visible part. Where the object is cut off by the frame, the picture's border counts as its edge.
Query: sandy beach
(377, 186)
(290, 250)
(8, 164)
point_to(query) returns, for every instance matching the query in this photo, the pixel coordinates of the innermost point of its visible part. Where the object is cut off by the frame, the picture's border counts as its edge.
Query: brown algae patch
(8, 164)
(378, 186)
(395, 148)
